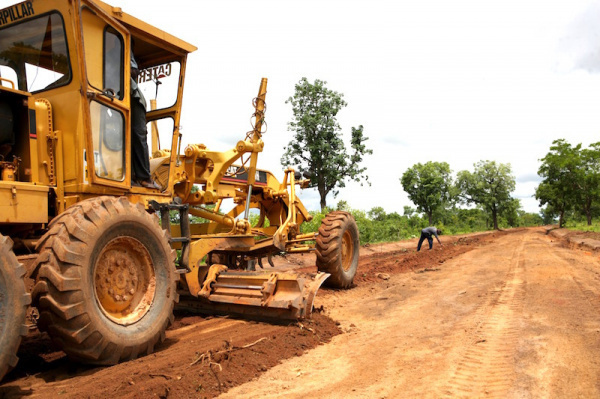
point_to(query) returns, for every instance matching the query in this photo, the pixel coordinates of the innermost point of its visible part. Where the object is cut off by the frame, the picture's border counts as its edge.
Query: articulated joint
(195, 150)
(247, 146)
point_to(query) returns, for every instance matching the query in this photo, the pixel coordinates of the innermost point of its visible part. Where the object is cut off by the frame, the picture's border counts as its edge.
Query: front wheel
(106, 282)
(338, 248)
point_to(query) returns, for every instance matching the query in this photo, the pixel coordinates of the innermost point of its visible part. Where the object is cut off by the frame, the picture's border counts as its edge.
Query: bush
(376, 225)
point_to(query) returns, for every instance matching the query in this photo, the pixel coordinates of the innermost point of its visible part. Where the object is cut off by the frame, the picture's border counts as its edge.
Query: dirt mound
(586, 240)
(201, 357)
(375, 267)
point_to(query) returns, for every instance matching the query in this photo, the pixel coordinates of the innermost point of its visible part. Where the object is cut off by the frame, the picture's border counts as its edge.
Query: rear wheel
(13, 306)
(337, 249)
(106, 281)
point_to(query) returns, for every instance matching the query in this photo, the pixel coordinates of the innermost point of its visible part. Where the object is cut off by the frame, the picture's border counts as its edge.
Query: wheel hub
(347, 250)
(124, 280)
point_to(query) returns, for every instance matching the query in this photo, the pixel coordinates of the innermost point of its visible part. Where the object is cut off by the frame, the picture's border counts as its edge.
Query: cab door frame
(102, 96)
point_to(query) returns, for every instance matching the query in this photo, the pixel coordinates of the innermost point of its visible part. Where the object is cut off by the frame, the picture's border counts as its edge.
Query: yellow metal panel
(23, 203)
(199, 249)
(160, 36)
(46, 173)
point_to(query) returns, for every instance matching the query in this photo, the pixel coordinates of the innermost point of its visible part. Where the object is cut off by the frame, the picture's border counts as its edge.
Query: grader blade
(282, 295)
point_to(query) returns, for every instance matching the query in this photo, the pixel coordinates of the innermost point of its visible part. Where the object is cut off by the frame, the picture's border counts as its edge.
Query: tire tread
(329, 247)
(58, 293)
(15, 318)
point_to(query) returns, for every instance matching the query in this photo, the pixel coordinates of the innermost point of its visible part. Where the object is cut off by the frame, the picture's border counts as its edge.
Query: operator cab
(65, 81)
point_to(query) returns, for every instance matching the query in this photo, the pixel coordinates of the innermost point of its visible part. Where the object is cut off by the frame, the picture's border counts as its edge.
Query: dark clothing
(140, 161)
(431, 230)
(140, 155)
(428, 233)
(423, 237)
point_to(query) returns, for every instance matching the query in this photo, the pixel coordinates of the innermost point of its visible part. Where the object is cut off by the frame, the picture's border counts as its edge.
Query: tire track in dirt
(589, 295)
(592, 297)
(486, 361)
(566, 340)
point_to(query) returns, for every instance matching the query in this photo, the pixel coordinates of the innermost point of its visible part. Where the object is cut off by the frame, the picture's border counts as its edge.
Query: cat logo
(16, 12)
(154, 73)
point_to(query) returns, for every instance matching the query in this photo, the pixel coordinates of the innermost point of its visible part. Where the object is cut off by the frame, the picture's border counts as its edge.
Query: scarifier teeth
(270, 259)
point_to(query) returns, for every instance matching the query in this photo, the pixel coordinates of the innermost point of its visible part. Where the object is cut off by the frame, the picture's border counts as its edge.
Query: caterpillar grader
(99, 262)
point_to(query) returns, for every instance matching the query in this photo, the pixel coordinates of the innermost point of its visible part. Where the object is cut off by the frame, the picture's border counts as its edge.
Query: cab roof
(141, 29)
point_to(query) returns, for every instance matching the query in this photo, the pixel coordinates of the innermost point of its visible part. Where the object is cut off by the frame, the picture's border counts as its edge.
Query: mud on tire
(337, 249)
(13, 306)
(105, 285)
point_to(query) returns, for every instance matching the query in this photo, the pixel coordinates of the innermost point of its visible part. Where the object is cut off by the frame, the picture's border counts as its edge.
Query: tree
(489, 186)
(559, 172)
(408, 211)
(548, 215)
(343, 205)
(377, 213)
(428, 186)
(530, 219)
(317, 146)
(588, 181)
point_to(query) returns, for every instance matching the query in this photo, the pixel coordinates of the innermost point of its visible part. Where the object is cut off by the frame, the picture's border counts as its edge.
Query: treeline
(570, 186)
(376, 225)
(488, 188)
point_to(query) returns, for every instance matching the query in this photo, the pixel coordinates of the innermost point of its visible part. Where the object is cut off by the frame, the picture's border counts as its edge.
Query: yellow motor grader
(100, 260)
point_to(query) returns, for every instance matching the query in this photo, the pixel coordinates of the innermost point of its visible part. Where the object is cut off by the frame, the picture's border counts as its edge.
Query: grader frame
(104, 267)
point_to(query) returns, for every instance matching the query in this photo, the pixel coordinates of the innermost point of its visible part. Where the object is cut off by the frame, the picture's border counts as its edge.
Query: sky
(447, 81)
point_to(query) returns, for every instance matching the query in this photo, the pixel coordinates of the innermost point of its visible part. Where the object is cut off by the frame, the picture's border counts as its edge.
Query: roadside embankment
(587, 240)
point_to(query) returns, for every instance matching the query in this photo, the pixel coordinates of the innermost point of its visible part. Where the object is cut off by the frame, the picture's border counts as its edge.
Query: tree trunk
(588, 211)
(561, 219)
(430, 214)
(495, 218)
(322, 192)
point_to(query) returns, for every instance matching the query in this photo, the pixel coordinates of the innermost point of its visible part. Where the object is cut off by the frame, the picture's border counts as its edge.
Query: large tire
(105, 287)
(337, 249)
(13, 306)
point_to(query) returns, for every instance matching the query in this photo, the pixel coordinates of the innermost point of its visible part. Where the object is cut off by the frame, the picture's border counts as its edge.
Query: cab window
(33, 54)
(113, 62)
(108, 136)
(160, 136)
(104, 55)
(160, 84)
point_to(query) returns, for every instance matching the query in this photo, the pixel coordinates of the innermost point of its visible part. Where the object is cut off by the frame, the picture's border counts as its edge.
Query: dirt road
(513, 314)
(519, 317)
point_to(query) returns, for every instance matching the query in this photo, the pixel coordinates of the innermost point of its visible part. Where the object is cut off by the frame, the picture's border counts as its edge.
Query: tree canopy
(488, 186)
(428, 186)
(570, 179)
(317, 146)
